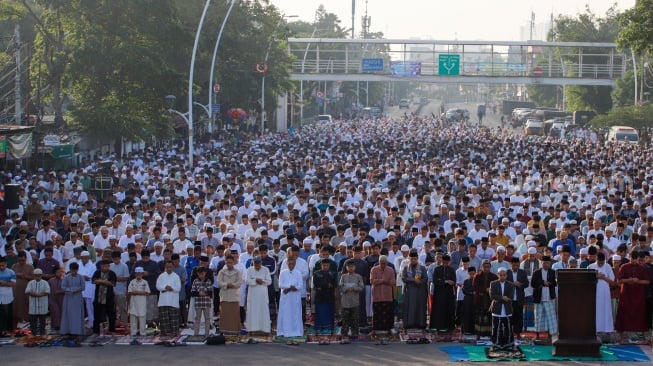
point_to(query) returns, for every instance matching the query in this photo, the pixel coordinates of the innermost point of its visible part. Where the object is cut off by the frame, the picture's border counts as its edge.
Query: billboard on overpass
(372, 64)
(405, 68)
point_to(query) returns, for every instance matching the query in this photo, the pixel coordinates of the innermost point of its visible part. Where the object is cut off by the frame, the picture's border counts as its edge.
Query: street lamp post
(189, 120)
(213, 94)
(206, 109)
(170, 103)
(267, 55)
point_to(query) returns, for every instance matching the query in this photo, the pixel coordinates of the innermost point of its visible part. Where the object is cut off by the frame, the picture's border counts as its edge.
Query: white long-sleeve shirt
(301, 266)
(168, 298)
(88, 270)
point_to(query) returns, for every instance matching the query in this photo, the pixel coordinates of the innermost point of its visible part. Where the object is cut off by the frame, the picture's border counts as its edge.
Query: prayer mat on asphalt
(98, 340)
(196, 339)
(505, 355)
(278, 339)
(35, 339)
(257, 340)
(544, 353)
(125, 340)
(144, 340)
(416, 338)
(453, 336)
(7, 341)
(321, 339)
(320, 336)
(324, 331)
(165, 339)
(46, 341)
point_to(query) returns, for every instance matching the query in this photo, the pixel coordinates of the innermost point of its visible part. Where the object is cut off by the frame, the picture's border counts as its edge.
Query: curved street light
(212, 91)
(189, 120)
(170, 103)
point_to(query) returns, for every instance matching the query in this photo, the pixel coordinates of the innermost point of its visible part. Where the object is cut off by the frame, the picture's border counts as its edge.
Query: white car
(404, 103)
(623, 134)
(324, 118)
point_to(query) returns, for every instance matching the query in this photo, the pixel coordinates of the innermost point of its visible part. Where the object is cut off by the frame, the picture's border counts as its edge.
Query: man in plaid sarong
(544, 294)
(169, 286)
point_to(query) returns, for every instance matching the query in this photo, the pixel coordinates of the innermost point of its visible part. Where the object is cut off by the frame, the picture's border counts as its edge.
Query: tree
(120, 69)
(326, 25)
(245, 39)
(636, 28)
(624, 90)
(587, 27)
(330, 23)
(634, 116)
(543, 95)
(50, 44)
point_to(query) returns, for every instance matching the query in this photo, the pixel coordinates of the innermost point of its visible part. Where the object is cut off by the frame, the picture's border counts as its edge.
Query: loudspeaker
(11, 196)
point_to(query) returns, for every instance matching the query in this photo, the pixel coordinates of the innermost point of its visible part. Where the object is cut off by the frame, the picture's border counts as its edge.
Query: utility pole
(367, 20)
(353, 15)
(18, 89)
(532, 25)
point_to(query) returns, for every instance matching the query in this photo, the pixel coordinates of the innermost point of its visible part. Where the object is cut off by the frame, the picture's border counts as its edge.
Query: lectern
(577, 314)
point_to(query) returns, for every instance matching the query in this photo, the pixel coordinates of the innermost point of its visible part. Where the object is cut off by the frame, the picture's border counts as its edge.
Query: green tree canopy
(636, 27)
(120, 69)
(587, 27)
(634, 116)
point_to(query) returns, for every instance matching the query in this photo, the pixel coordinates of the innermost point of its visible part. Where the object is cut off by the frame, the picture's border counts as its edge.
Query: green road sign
(449, 64)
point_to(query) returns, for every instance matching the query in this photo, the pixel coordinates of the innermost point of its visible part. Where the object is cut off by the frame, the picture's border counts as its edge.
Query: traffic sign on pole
(215, 108)
(449, 64)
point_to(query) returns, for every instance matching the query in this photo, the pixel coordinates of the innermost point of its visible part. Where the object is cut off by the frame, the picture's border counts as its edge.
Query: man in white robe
(606, 278)
(302, 266)
(258, 310)
(291, 284)
(86, 270)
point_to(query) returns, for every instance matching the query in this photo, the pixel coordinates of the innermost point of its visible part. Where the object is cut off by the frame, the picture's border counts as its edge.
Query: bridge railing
(501, 59)
(553, 70)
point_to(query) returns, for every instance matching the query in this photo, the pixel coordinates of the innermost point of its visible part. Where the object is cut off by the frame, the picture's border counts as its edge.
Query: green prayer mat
(538, 353)
(278, 339)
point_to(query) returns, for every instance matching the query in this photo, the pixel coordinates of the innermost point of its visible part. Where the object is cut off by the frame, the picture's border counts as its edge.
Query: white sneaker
(517, 343)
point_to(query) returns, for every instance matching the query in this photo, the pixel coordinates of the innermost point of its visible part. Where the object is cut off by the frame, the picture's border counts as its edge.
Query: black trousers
(502, 332)
(459, 312)
(7, 317)
(100, 313)
(37, 324)
(362, 309)
(518, 316)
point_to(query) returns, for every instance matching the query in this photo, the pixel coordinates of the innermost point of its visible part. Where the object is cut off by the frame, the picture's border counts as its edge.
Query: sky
(491, 20)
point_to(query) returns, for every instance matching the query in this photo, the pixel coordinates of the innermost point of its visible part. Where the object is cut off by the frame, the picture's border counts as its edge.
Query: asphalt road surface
(257, 354)
(491, 120)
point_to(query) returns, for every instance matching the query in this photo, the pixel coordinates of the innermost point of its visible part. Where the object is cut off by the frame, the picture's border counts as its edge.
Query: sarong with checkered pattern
(169, 320)
(546, 317)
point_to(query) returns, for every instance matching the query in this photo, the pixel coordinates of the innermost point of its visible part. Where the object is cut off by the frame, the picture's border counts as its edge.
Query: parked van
(623, 134)
(324, 118)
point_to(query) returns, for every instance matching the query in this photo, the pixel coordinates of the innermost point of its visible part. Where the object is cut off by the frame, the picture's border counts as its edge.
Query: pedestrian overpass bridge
(460, 62)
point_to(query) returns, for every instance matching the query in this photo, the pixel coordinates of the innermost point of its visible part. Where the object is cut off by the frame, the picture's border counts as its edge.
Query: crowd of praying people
(383, 226)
